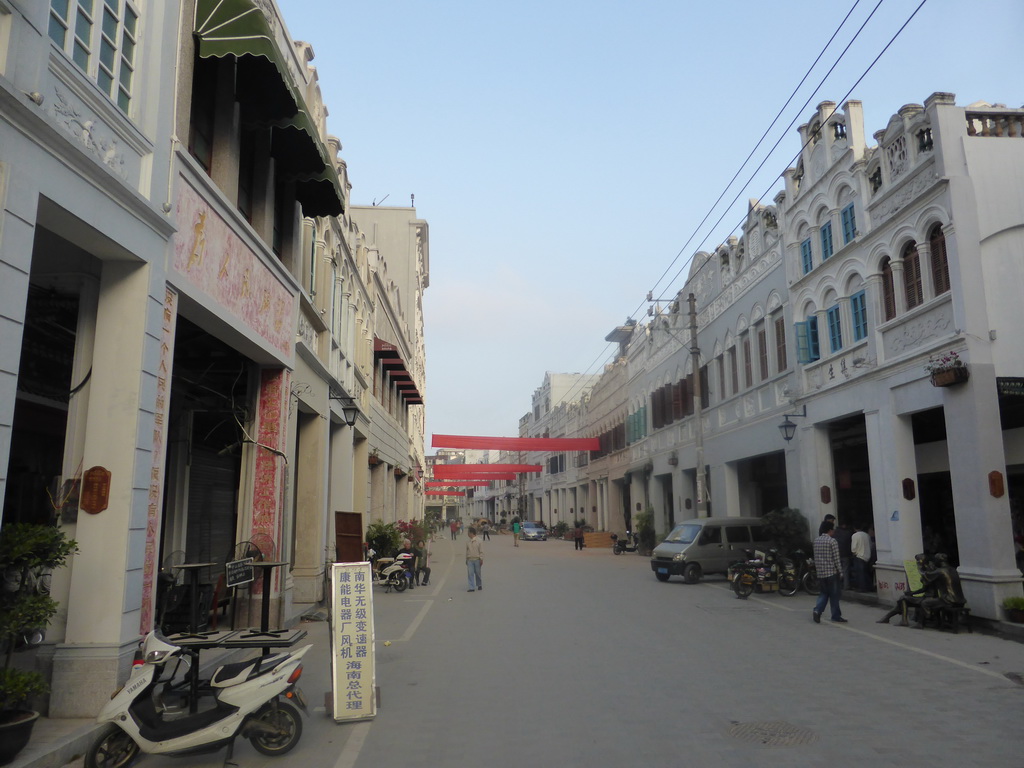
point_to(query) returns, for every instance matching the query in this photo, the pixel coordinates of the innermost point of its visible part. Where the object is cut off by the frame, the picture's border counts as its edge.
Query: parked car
(534, 531)
(707, 545)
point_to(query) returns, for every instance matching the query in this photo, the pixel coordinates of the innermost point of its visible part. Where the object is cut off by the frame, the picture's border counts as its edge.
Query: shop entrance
(210, 421)
(849, 441)
(935, 491)
(42, 477)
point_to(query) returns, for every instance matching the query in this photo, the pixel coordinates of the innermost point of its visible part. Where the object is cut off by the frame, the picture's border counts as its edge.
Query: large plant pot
(15, 730)
(1015, 615)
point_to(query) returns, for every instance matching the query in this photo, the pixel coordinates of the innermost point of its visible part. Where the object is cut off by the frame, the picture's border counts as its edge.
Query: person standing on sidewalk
(486, 528)
(830, 576)
(578, 536)
(517, 528)
(422, 553)
(860, 545)
(454, 529)
(474, 561)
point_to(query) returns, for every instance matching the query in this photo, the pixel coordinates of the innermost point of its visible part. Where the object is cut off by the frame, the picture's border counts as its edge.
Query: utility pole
(698, 413)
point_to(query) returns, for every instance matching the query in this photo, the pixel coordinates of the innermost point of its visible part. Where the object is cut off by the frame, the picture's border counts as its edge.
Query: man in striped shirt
(830, 572)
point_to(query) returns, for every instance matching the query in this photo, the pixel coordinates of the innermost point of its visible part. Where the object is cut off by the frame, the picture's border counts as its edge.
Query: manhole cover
(774, 734)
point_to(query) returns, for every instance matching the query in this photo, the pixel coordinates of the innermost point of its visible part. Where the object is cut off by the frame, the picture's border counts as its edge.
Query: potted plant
(643, 525)
(947, 369)
(27, 552)
(1014, 607)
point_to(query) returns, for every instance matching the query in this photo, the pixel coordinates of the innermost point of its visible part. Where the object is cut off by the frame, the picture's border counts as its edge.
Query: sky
(566, 153)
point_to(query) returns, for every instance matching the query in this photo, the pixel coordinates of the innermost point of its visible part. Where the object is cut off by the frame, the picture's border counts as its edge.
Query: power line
(765, 134)
(806, 103)
(864, 74)
(572, 390)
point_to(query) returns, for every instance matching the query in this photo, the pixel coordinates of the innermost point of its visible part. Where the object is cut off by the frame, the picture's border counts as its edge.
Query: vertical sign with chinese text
(353, 660)
(155, 490)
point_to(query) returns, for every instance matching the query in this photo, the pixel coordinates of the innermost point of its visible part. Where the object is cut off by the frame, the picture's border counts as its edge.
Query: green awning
(239, 28)
(318, 193)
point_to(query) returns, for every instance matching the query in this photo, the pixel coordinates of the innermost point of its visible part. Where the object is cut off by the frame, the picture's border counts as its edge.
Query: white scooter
(245, 702)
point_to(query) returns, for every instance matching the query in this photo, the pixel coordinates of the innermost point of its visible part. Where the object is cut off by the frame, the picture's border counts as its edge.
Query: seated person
(407, 557)
(946, 591)
(914, 598)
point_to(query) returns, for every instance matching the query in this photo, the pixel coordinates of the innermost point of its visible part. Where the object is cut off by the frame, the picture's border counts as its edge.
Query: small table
(192, 574)
(195, 643)
(282, 638)
(265, 631)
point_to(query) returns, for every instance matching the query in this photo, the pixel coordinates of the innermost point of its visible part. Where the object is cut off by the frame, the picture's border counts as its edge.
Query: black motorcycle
(770, 573)
(631, 543)
(806, 574)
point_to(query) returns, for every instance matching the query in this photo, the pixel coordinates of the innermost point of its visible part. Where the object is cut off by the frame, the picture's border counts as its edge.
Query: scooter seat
(233, 674)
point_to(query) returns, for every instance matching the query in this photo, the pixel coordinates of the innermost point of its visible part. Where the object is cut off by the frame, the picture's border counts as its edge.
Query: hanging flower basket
(947, 370)
(951, 376)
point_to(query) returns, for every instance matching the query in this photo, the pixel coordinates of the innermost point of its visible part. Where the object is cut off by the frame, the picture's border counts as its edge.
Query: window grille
(101, 37)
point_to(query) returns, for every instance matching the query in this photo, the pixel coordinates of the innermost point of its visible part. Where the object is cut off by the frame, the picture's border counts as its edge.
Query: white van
(707, 545)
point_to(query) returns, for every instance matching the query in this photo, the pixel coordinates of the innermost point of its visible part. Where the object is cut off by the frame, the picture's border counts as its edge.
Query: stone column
(311, 473)
(105, 595)
(988, 571)
(897, 520)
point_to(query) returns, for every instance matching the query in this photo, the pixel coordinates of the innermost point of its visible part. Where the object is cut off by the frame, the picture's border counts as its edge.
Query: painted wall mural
(212, 258)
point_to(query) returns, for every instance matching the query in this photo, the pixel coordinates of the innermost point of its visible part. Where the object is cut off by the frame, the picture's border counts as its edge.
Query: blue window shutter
(835, 329)
(849, 223)
(826, 240)
(805, 255)
(859, 309)
(812, 337)
(803, 344)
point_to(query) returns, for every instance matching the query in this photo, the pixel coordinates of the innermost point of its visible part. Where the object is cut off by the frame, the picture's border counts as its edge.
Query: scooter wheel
(616, 550)
(787, 585)
(112, 749)
(742, 586)
(810, 583)
(401, 584)
(279, 728)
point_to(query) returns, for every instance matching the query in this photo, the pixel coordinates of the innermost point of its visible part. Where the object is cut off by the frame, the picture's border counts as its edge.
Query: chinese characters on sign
(168, 326)
(353, 667)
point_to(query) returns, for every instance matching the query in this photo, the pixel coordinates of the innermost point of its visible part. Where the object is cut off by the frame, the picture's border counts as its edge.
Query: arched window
(888, 291)
(940, 266)
(912, 276)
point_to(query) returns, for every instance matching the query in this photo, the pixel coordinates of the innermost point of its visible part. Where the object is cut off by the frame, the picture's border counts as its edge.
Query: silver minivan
(707, 545)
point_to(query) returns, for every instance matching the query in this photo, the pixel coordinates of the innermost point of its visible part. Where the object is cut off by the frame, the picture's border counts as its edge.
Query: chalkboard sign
(238, 572)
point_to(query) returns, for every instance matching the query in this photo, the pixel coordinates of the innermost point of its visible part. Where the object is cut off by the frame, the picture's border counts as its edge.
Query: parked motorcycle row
(769, 571)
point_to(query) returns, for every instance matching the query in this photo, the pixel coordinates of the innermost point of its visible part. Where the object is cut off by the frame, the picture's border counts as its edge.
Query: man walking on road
(830, 577)
(474, 561)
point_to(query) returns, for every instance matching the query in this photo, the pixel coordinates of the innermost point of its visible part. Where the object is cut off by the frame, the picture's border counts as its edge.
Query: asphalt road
(584, 659)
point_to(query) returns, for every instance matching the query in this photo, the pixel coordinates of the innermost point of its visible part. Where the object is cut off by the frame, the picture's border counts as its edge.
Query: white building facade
(189, 305)
(829, 310)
